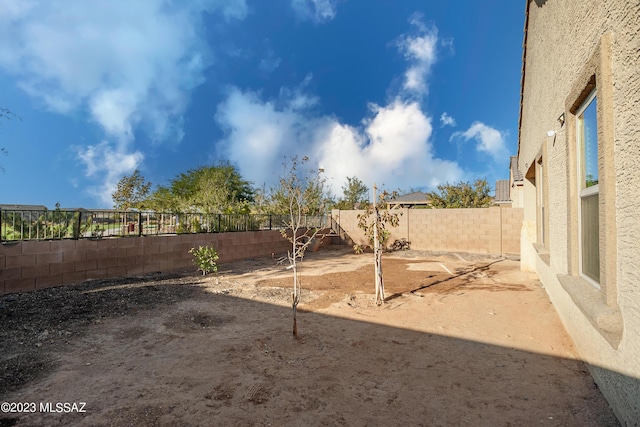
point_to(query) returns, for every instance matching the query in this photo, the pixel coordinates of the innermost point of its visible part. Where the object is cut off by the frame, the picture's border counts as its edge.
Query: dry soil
(461, 340)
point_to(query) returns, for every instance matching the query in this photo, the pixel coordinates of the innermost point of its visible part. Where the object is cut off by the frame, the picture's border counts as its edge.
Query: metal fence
(18, 225)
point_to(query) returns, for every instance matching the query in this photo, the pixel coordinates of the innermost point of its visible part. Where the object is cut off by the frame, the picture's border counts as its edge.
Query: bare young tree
(5, 113)
(295, 191)
(374, 223)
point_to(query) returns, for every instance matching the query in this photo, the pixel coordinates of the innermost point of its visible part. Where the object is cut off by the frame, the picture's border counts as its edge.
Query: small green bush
(205, 258)
(196, 227)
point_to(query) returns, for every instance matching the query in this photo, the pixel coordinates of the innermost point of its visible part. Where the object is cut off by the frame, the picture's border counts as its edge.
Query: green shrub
(205, 258)
(196, 227)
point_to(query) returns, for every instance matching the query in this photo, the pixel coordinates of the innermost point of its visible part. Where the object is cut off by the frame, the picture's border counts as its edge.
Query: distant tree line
(221, 188)
(461, 195)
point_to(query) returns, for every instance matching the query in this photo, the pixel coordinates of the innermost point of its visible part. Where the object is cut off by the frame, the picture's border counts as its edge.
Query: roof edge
(524, 67)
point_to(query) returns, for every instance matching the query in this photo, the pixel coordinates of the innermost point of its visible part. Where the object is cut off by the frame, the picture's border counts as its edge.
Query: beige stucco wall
(567, 39)
(517, 195)
(493, 230)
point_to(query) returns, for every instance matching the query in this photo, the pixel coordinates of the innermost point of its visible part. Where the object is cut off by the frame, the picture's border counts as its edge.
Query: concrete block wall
(492, 230)
(511, 227)
(41, 264)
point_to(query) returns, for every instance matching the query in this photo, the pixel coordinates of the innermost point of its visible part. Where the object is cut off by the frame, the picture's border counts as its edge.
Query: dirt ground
(461, 340)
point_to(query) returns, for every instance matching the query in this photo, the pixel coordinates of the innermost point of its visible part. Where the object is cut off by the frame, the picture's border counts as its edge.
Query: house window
(591, 211)
(589, 216)
(542, 214)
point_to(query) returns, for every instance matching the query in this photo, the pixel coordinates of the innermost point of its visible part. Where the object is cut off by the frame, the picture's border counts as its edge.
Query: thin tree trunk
(377, 253)
(296, 299)
(375, 243)
(380, 281)
(296, 286)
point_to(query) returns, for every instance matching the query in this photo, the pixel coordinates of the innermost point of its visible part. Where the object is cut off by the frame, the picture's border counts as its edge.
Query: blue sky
(407, 94)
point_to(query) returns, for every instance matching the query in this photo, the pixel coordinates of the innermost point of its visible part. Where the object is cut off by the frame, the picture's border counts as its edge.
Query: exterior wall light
(561, 119)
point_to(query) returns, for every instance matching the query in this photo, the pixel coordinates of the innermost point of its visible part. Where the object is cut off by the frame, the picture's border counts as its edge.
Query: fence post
(269, 222)
(139, 223)
(501, 235)
(77, 233)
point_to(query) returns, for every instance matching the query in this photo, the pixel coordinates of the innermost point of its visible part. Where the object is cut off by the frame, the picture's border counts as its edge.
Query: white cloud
(257, 134)
(447, 120)
(12, 9)
(392, 146)
(316, 10)
(420, 49)
(129, 64)
(231, 9)
(110, 163)
(269, 63)
(489, 140)
(113, 110)
(297, 98)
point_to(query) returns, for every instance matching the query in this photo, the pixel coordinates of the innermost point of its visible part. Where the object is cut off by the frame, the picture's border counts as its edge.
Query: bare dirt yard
(461, 340)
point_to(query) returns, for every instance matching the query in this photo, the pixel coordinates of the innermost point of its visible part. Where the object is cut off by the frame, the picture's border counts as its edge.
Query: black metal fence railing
(17, 225)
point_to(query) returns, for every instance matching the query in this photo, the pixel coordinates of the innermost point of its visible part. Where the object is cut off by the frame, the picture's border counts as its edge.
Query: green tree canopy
(355, 195)
(209, 189)
(131, 192)
(161, 199)
(262, 201)
(462, 195)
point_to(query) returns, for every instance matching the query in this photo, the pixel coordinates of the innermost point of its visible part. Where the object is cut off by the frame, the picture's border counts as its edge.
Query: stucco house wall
(571, 48)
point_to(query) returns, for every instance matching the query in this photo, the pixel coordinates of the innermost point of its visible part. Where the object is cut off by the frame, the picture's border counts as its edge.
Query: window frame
(596, 304)
(583, 191)
(542, 214)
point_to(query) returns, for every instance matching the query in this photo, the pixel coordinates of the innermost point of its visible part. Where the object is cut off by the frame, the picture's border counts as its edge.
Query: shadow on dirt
(466, 272)
(34, 323)
(202, 355)
(340, 372)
